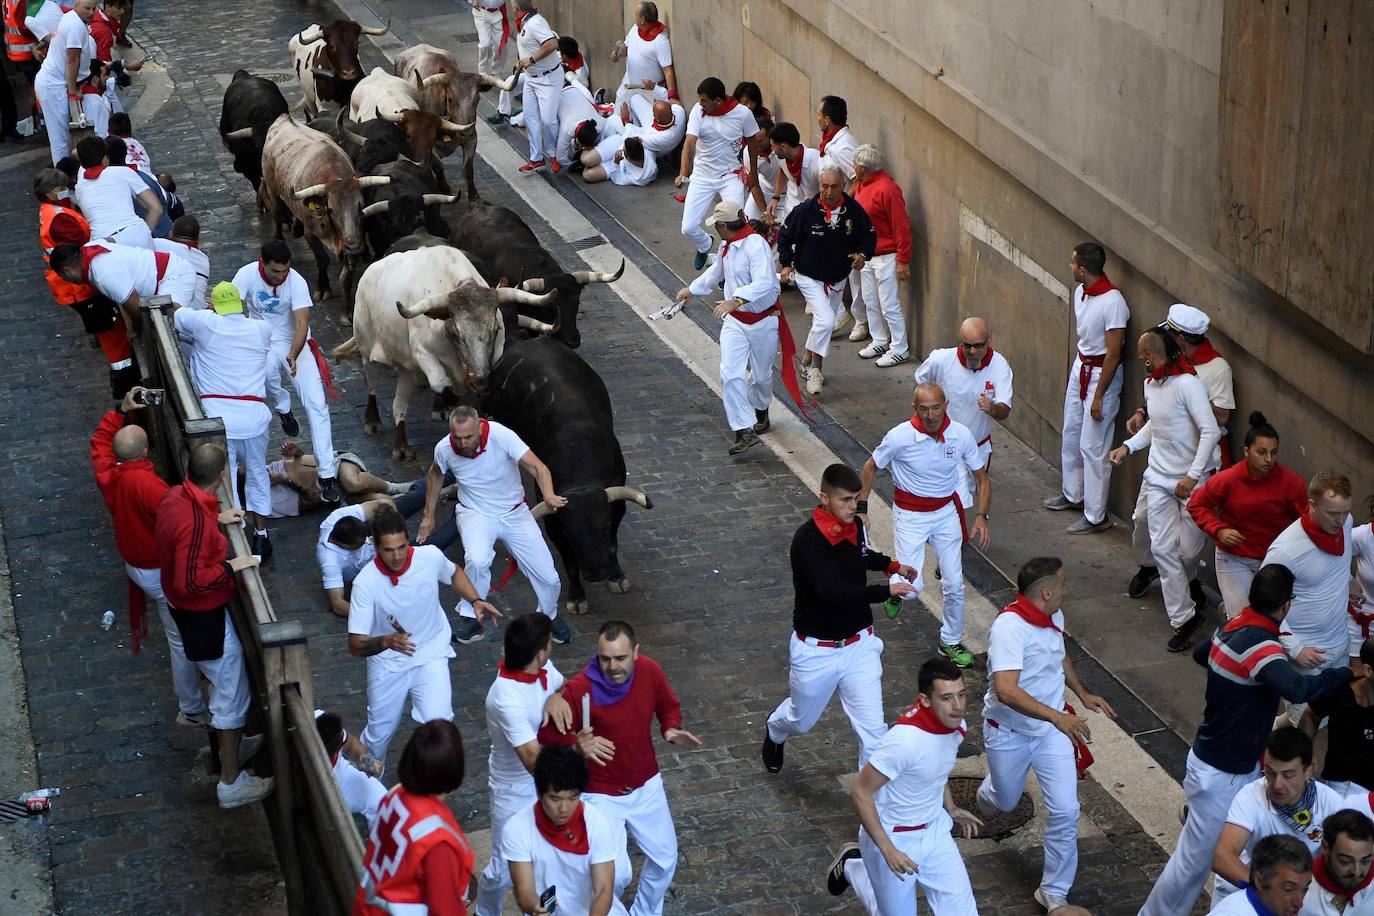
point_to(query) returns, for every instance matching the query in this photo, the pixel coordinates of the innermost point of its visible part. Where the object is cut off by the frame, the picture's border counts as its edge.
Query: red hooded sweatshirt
(192, 552)
(132, 490)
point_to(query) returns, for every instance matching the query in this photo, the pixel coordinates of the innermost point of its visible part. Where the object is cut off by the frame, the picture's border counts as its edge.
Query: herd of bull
(481, 305)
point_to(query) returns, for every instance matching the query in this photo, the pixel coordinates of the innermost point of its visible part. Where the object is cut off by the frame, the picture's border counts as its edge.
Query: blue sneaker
(468, 631)
(700, 262)
(562, 633)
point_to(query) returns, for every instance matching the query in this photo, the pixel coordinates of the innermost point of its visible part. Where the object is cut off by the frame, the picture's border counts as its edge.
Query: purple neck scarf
(604, 692)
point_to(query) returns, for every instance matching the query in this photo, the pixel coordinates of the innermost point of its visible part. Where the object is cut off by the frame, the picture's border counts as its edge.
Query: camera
(148, 397)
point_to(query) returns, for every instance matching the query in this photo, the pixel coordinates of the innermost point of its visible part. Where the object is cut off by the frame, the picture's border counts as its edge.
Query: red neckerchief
(829, 219)
(796, 172)
(92, 173)
(522, 677)
(1098, 287)
(1333, 544)
(577, 64)
(651, 31)
(1204, 353)
(1179, 365)
(833, 529)
(827, 136)
(1023, 608)
(1252, 618)
(481, 446)
(747, 231)
(1320, 876)
(571, 837)
(669, 126)
(88, 254)
(924, 718)
(963, 360)
(521, 17)
(262, 273)
(395, 577)
(723, 108)
(939, 433)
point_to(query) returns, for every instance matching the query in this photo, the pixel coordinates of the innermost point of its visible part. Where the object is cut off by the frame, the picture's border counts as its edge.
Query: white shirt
(768, 175)
(748, 272)
(338, 565)
(71, 34)
(1319, 902)
(48, 17)
(413, 602)
(1095, 316)
(230, 354)
(361, 793)
(963, 387)
(627, 173)
(107, 201)
(137, 156)
(1233, 905)
(718, 139)
(124, 270)
(1216, 378)
(1362, 549)
(921, 464)
(656, 142)
(275, 305)
(1181, 432)
(568, 872)
(1321, 591)
(490, 482)
(1251, 810)
(199, 261)
(1015, 644)
(916, 763)
(839, 152)
(573, 108)
(534, 31)
(645, 60)
(810, 183)
(514, 713)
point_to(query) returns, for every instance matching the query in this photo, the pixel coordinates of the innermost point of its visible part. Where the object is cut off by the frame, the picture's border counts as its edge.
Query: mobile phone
(549, 899)
(149, 397)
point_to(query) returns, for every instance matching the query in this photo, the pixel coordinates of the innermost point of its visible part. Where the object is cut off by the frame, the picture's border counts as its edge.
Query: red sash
(235, 397)
(325, 376)
(913, 503)
(1086, 364)
(505, 32)
(1362, 620)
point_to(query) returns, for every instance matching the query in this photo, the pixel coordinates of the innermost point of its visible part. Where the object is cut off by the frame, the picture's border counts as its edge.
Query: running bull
(326, 61)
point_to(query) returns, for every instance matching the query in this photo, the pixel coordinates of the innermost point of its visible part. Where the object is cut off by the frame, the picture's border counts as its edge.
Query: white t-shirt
(490, 482)
(923, 465)
(1216, 377)
(1015, 644)
(1362, 549)
(123, 270)
(1251, 810)
(413, 602)
(71, 34)
(199, 261)
(514, 712)
(1233, 905)
(747, 272)
(645, 60)
(339, 566)
(917, 763)
(718, 139)
(568, 872)
(45, 21)
(839, 152)
(107, 201)
(810, 183)
(1095, 316)
(574, 107)
(275, 305)
(534, 31)
(963, 387)
(1321, 591)
(1320, 902)
(137, 156)
(230, 354)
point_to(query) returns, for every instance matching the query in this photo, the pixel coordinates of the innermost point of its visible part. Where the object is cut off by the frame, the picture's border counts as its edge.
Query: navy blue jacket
(821, 249)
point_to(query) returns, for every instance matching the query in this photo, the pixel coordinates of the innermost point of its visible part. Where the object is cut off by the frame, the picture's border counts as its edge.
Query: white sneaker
(890, 359)
(859, 333)
(194, 719)
(873, 350)
(243, 791)
(842, 325)
(1050, 902)
(814, 380)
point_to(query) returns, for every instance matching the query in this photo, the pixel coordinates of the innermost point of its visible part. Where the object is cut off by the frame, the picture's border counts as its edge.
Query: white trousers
(1010, 756)
(644, 814)
(503, 101)
(506, 801)
(488, 24)
(257, 486)
(134, 233)
(310, 388)
(702, 192)
(747, 352)
(1210, 792)
(180, 284)
(1174, 538)
(856, 297)
(518, 530)
(815, 673)
(230, 690)
(185, 677)
(428, 687)
(53, 101)
(942, 874)
(1140, 535)
(1234, 575)
(827, 305)
(540, 99)
(883, 305)
(1086, 442)
(911, 532)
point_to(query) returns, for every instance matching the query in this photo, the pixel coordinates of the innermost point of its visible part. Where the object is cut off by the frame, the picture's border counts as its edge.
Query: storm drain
(964, 789)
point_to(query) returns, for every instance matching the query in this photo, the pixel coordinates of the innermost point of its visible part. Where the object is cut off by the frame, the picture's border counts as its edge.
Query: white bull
(381, 95)
(428, 311)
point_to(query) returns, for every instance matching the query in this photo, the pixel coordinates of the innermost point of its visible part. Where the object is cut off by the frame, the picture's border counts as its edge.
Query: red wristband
(892, 567)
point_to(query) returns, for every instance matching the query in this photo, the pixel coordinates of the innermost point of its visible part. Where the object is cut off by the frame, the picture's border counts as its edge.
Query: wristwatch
(982, 515)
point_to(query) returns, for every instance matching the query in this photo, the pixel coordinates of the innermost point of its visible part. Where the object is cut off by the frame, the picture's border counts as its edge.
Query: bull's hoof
(403, 454)
(576, 607)
(346, 321)
(372, 427)
(321, 295)
(437, 416)
(618, 586)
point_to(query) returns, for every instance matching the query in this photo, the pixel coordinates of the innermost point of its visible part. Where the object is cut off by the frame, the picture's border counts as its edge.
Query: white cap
(727, 211)
(1187, 320)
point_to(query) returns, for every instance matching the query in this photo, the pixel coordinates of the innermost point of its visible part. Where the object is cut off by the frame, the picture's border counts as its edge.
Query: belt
(985, 440)
(835, 643)
(913, 503)
(235, 397)
(1086, 364)
(910, 829)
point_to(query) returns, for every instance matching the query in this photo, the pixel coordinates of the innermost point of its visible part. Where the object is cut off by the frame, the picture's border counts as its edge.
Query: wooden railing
(318, 845)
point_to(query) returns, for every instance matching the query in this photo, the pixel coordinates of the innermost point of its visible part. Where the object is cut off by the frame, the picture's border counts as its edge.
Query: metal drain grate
(584, 244)
(963, 790)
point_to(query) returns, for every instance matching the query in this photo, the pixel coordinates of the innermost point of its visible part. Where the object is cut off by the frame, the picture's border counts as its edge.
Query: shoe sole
(1041, 900)
(470, 640)
(882, 365)
(736, 452)
(1140, 592)
(760, 429)
(1092, 529)
(239, 803)
(959, 664)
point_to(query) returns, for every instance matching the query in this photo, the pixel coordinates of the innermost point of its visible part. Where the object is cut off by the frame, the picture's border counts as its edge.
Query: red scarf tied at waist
(1086, 365)
(326, 377)
(1179, 365)
(789, 352)
(571, 837)
(913, 503)
(1362, 620)
(651, 31)
(1333, 544)
(505, 33)
(395, 577)
(963, 360)
(541, 677)
(833, 529)
(1082, 756)
(138, 620)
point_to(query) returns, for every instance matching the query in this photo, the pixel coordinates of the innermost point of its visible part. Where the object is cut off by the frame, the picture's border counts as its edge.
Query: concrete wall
(1055, 121)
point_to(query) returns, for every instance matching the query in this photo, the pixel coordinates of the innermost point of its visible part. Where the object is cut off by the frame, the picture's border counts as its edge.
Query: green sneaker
(892, 607)
(958, 654)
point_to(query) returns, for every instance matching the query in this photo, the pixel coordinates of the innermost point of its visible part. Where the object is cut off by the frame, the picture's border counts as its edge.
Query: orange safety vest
(19, 41)
(407, 827)
(64, 291)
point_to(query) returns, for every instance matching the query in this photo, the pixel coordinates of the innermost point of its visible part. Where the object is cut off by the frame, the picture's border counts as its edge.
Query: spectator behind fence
(118, 156)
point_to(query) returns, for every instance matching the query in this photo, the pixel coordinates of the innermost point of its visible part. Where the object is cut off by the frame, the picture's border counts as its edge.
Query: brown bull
(326, 61)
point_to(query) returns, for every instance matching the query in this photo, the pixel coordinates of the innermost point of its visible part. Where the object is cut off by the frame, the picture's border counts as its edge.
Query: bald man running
(132, 490)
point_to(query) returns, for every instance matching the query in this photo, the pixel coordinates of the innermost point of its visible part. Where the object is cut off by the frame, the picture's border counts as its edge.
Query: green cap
(225, 299)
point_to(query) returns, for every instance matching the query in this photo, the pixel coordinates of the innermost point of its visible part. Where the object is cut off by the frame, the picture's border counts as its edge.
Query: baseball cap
(225, 298)
(1188, 320)
(727, 211)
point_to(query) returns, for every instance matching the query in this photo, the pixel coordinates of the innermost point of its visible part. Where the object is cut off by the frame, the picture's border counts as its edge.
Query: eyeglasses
(973, 346)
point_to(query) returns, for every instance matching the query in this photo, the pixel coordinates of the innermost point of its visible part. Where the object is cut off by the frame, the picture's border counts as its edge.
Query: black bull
(559, 406)
(249, 102)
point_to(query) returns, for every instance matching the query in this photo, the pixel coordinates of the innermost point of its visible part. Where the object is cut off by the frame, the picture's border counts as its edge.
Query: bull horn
(243, 133)
(583, 277)
(542, 327)
(533, 285)
(341, 125)
(446, 124)
(433, 79)
(520, 297)
(374, 181)
(380, 206)
(394, 116)
(321, 74)
(541, 510)
(377, 30)
(505, 85)
(629, 494)
(432, 199)
(435, 301)
(315, 190)
(310, 35)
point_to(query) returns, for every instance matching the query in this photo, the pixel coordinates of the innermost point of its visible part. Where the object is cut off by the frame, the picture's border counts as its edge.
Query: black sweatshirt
(822, 251)
(833, 597)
